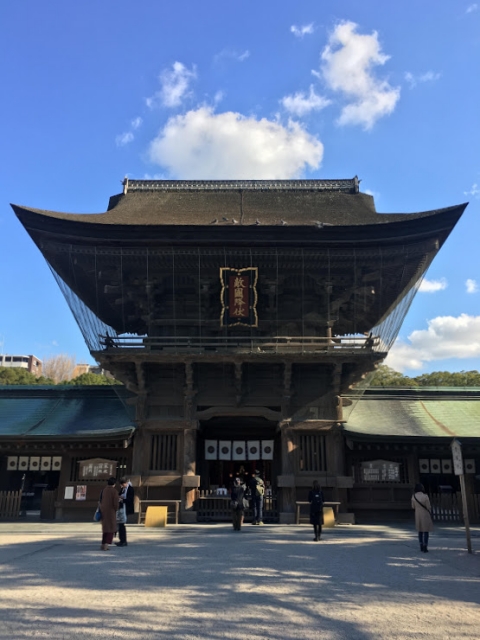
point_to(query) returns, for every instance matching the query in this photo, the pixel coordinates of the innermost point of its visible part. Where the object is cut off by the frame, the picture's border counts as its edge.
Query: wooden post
(457, 456)
(466, 519)
(287, 515)
(189, 488)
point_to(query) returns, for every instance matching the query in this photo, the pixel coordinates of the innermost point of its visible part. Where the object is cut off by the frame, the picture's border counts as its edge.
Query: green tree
(387, 377)
(449, 379)
(92, 379)
(19, 375)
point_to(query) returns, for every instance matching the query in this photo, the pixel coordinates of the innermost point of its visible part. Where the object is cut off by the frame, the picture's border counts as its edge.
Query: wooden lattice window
(163, 455)
(311, 453)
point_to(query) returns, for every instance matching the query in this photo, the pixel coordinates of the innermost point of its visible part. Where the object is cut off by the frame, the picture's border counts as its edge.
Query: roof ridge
(350, 185)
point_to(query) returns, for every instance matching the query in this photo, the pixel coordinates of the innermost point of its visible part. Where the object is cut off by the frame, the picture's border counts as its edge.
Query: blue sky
(95, 91)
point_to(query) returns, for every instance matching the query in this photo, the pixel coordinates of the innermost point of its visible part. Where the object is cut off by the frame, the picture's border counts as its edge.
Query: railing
(213, 508)
(446, 507)
(10, 504)
(276, 344)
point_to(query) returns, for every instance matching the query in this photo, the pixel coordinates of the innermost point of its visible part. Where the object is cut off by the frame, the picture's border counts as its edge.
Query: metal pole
(465, 512)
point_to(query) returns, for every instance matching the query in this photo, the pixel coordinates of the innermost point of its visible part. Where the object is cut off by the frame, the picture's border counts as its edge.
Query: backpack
(259, 487)
(317, 503)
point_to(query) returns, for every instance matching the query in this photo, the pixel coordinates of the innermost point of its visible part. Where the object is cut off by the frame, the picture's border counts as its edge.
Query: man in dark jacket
(126, 501)
(257, 487)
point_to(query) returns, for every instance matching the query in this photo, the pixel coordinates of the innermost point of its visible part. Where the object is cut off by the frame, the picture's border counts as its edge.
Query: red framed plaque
(239, 297)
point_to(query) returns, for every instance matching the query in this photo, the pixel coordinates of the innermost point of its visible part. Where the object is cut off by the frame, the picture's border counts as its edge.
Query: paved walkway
(206, 581)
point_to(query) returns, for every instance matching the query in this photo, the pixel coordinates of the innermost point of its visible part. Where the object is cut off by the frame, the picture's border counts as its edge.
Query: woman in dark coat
(108, 506)
(423, 516)
(315, 498)
(238, 507)
(126, 502)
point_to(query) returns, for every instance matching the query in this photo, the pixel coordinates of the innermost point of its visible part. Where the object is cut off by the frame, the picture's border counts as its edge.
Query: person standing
(315, 498)
(423, 516)
(126, 501)
(258, 491)
(108, 506)
(238, 505)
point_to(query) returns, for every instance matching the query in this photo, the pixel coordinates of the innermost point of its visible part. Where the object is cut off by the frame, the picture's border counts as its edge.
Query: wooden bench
(300, 504)
(146, 503)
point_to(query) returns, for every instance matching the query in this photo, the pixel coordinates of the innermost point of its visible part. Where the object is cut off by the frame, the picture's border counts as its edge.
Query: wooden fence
(10, 504)
(47, 506)
(214, 508)
(446, 507)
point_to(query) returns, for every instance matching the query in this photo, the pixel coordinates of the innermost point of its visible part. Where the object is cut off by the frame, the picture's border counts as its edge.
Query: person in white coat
(423, 516)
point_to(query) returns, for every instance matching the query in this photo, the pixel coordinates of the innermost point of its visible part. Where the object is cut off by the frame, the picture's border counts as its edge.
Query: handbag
(121, 515)
(97, 516)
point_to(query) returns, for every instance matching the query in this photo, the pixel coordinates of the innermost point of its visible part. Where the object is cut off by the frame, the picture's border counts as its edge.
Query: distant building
(31, 363)
(80, 369)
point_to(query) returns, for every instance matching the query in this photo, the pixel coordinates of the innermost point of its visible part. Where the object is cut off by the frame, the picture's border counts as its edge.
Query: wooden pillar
(286, 481)
(190, 481)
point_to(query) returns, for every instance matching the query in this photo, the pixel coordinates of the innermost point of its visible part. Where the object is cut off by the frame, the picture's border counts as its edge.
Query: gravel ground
(207, 581)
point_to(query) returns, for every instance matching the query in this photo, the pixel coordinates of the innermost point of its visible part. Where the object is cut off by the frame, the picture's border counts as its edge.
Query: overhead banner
(239, 297)
(424, 465)
(211, 448)
(254, 449)
(447, 466)
(239, 448)
(225, 450)
(267, 449)
(470, 465)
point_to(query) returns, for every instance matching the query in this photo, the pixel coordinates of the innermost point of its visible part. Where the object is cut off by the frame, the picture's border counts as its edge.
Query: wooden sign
(238, 297)
(97, 468)
(380, 471)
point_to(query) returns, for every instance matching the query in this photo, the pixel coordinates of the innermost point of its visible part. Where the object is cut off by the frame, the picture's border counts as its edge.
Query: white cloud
(446, 337)
(471, 285)
(474, 191)
(136, 123)
(231, 53)
(175, 86)
(302, 31)
(201, 144)
(348, 60)
(429, 76)
(471, 8)
(431, 286)
(124, 138)
(300, 104)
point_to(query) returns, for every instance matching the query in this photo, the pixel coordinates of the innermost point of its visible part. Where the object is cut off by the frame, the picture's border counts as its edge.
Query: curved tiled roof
(415, 413)
(237, 203)
(62, 412)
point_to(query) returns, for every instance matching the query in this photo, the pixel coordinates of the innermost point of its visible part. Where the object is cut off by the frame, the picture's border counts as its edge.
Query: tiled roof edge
(343, 185)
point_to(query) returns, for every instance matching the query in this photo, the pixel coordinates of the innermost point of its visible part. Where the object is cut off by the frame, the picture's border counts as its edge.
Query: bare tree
(59, 368)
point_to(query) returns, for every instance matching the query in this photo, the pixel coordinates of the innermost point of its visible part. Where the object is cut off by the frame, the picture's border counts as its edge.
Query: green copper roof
(415, 413)
(62, 412)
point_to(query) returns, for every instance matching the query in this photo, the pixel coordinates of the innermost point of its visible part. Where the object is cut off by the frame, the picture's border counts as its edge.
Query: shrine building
(243, 318)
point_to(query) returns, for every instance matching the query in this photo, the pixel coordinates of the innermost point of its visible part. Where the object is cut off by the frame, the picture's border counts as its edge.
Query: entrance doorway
(228, 448)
